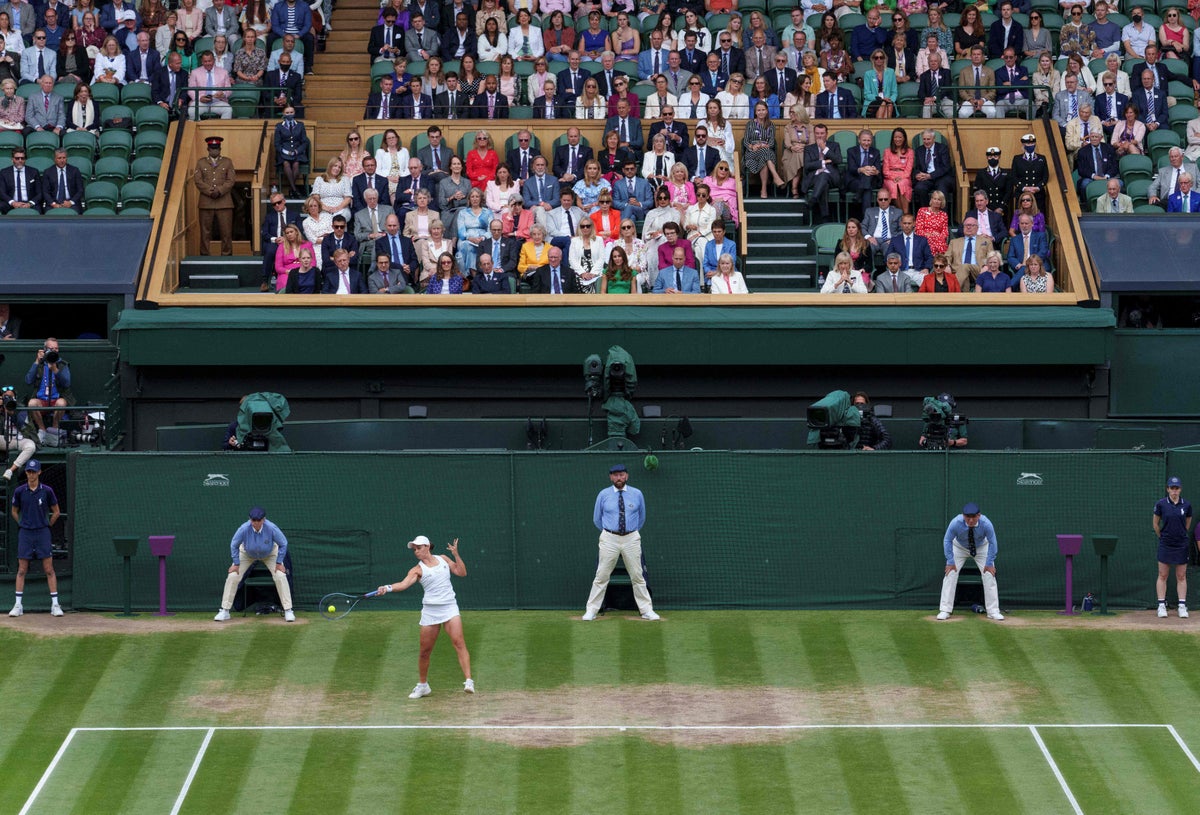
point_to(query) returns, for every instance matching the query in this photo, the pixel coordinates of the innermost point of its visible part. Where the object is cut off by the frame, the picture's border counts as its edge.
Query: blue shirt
(607, 512)
(1173, 527)
(34, 505)
(985, 535)
(258, 544)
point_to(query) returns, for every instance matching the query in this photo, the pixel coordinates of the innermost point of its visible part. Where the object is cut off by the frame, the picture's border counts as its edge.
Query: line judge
(619, 515)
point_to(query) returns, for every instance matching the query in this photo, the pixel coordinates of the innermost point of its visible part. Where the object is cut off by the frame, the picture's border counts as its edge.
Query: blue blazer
(154, 64)
(645, 62)
(330, 285)
(1160, 106)
(995, 40)
(291, 144)
(922, 258)
(666, 280)
(708, 86)
(1102, 107)
(642, 191)
(871, 88)
(550, 190)
(1039, 244)
(772, 104)
(846, 106)
(710, 255)
(1175, 202)
(636, 140)
(304, 19)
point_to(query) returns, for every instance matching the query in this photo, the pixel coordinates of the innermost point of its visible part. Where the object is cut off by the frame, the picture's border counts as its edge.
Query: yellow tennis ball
(332, 609)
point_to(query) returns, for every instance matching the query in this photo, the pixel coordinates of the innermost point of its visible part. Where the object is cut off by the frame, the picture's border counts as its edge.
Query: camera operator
(872, 435)
(51, 376)
(942, 426)
(16, 432)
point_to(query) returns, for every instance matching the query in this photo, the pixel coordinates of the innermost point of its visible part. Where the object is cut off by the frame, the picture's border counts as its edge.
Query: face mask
(1029, 148)
(1137, 18)
(993, 162)
(289, 117)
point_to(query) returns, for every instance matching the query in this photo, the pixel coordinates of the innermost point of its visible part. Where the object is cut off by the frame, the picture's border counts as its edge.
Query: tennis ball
(332, 609)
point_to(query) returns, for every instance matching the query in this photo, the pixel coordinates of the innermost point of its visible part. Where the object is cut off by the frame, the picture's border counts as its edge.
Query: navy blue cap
(1174, 481)
(971, 508)
(33, 466)
(257, 513)
(617, 468)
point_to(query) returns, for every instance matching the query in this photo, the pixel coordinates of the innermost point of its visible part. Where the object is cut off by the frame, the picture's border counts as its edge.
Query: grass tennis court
(756, 712)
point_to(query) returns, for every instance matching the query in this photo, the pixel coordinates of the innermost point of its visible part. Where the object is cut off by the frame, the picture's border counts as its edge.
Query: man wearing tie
(864, 166)
(782, 79)
(62, 184)
(276, 219)
(619, 514)
(822, 168)
(834, 102)
(339, 239)
(165, 87)
(894, 280)
(931, 170)
(540, 192)
(562, 222)
(419, 42)
(489, 280)
(912, 248)
(632, 194)
(652, 61)
(435, 156)
(490, 103)
(143, 64)
(212, 80)
(387, 38)
(760, 59)
(678, 278)
(384, 280)
(385, 104)
(1166, 181)
(1069, 100)
(520, 161)
(968, 252)
(1012, 79)
(44, 110)
(1025, 243)
(989, 222)
(1115, 202)
(397, 247)
(979, 95)
(570, 81)
(39, 60)
(214, 177)
(342, 279)
(220, 19)
(700, 159)
(691, 58)
(930, 89)
(995, 182)
(452, 102)
(713, 79)
(370, 220)
(1097, 161)
(881, 223)
(292, 84)
(1151, 103)
(368, 179)
(554, 277)
(19, 184)
(570, 158)
(629, 129)
(1110, 105)
(1186, 200)
(505, 252)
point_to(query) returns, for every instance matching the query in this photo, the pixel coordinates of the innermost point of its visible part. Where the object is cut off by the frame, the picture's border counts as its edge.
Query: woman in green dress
(618, 274)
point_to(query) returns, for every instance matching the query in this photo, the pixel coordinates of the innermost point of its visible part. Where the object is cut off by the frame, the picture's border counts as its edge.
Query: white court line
(624, 727)
(46, 775)
(1062, 782)
(187, 783)
(1183, 746)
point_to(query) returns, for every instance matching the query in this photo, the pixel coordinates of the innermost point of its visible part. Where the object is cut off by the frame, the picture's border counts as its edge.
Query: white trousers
(244, 564)
(222, 109)
(991, 594)
(629, 548)
(967, 109)
(26, 448)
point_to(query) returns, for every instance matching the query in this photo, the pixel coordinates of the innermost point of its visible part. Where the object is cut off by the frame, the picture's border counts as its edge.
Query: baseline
(626, 727)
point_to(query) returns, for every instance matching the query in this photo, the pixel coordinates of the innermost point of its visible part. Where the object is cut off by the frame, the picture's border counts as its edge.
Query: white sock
(53, 598)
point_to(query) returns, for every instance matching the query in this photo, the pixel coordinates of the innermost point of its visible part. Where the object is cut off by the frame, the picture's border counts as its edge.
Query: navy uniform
(996, 182)
(35, 509)
(1172, 524)
(1031, 170)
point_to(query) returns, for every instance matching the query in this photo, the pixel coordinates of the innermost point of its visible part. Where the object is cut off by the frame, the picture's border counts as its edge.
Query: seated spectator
(1192, 151)
(585, 257)
(221, 52)
(854, 243)
(968, 253)
(1026, 205)
(561, 223)
(369, 223)
(492, 43)
(1025, 243)
(418, 221)
(619, 276)
(760, 56)
(1112, 67)
(420, 42)
(385, 281)
(933, 223)
(287, 45)
(1186, 200)
(460, 39)
(867, 37)
(255, 16)
(627, 42)
(250, 61)
(452, 192)
(182, 47)
(734, 102)
(992, 278)
(81, 112)
(191, 19)
(727, 279)
(304, 277)
(517, 220)
(110, 64)
(632, 246)
(535, 252)
(1097, 161)
(1036, 279)
(433, 80)
(44, 111)
(681, 189)
(447, 279)
(403, 14)
(491, 279)
(369, 179)
(657, 164)
(1151, 103)
(1113, 201)
(1166, 180)
(699, 219)
(73, 62)
(392, 160)
(1012, 82)
(632, 195)
(662, 98)
(893, 279)
(316, 224)
(490, 9)
(405, 198)
(843, 278)
(541, 190)
(1005, 32)
(589, 188)
(1069, 101)
(932, 46)
(673, 239)
(761, 92)
(612, 156)
(558, 38)
(593, 41)
(679, 276)
(1106, 35)
(1079, 130)
(605, 219)
(653, 61)
(621, 93)
(525, 39)
(208, 76)
(167, 89)
(500, 190)
(431, 251)
(473, 223)
(931, 90)
(16, 429)
(724, 188)
(969, 33)
(834, 59)
(590, 104)
(937, 280)
(342, 279)
(977, 101)
(912, 248)
(62, 184)
(163, 36)
(655, 222)
(401, 251)
(490, 103)
(548, 104)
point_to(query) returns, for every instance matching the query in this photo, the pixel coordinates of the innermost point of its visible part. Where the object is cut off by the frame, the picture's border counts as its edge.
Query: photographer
(942, 426)
(872, 435)
(16, 432)
(51, 376)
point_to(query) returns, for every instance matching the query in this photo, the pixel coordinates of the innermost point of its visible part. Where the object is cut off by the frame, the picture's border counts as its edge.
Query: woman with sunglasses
(447, 279)
(692, 104)
(482, 161)
(534, 86)
(879, 88)
(621, 91)
(724, 189)
(1027, 205)
(1036, 40)
(1174, 39)
(940, 279)
(353, 155)
(698, 220)
(73, 62)
(515, 220)
(589, 104)
(1075, 37)
(586, 256)
(606, 219)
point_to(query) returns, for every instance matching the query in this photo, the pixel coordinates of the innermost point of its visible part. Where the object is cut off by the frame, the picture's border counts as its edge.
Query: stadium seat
(1148, 209)
(104, 94)
(62, 212)
(40, 163)
(847, 22)
(1159, 142)
(137, 194)
(844, 139)
(41, 144)
(80, 143)
(1094, 190)
(99, 211)
(825, 237)
(117, 143)
(379, 70)
(202, 44)
(24, 213)
(27, 90)
(145, 168)
(1138, 191)
(244, 102)
(136, 95)
(1134, 167)
(83, 165)
(419, 142)
(101, 193)
(114, 169)
(149, 143)
(66, 89)
(116, 117)
(151, 118)
(10, 140)
(136, 212)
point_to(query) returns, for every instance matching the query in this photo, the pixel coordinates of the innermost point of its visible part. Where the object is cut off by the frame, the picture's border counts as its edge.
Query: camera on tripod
(941, 419)
(833, 422)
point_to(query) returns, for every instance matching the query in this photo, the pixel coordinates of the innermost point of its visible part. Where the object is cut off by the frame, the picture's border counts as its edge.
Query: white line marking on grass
(46, 775)
(1184, 747)
(621, 727)
(187, 782)
(1062, 782)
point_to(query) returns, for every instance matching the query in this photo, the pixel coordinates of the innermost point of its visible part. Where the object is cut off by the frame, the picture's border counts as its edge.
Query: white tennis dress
(439, 603)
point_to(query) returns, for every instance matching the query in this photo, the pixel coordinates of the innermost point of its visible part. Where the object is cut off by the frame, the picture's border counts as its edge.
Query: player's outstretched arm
(457, 567)
(413, 576)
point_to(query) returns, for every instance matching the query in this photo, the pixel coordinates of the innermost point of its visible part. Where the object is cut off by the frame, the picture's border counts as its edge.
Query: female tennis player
(438, 608)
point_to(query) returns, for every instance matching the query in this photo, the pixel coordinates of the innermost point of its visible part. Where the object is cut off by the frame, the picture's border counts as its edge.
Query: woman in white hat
(438, 608)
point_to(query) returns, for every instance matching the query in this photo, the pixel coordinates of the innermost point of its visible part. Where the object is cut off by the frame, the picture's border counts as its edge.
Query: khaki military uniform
(215, 183)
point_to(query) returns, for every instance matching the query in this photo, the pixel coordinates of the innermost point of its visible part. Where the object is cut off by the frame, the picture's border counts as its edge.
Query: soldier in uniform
(1030, 173)
(214, 178)
(996, 182)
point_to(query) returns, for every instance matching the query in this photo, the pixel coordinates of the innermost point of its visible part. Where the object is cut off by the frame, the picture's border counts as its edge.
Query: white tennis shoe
(650, 615)
(289, 616)
(1183, 610)
(222, 616)
(422, 689)
(469, 686)
(943, 615)
(996, 616)
(56, 610)
(1162, 609)
(589, 616)
(17, 611)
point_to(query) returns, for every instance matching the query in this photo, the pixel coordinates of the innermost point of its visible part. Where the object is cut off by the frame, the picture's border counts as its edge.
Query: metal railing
(191, 96)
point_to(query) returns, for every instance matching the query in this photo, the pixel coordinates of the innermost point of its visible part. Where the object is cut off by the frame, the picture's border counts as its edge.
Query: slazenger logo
(1030, 479)
(216, 480)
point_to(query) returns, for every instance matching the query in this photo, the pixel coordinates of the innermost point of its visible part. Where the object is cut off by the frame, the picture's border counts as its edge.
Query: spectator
(1026, 205)
(727, 280)
(220, 19)
(400, 250)
(834, 102)
(822, 171)
(683, 191)
(622, 93)
(978, 98)
(562, 223)
(406, 191)
(383, 280)
(734, 102)
(619, 276)
(287, 45)
(843, 279)
(433, 80)
(879, 88)
(938, 281)
(10, 326)
(525, 39)
(854, 243)
(490, 103)
(272, 234)
(384, 103)
(291, 17)
(632, 194)
(881, 222)
(289, 262)
(1036, 279)
(505, 251)
(210, 78)
(452, 192)
(473, 224)
(939, 29)
(698, 221)
(1106, 35)
(867, 37)
(900, 58)
(1114, 96)
(166, 88)
(969, 34)
(255, 16)
(723, 188)
(673, 239)
(656, 164)
(113, 15)
(558, 38)
(50, 377)
(333, 189)
(459, 39)
(1077, 66)
(626, 42)
(340, 239)
(341, 279)
(1186, 200)
(191, 19)
(552, 277)
(516, 219)
(163, 36)
(593, 41)
(1076, 37)
(633, 247)
(44, 111)
(419, 221)
(429, 9)
(1069, 100)
(912, 248)
(16, 429)
(758, 149)
(352, 156)
(1113, 201)
(1012, 79)
(316, 224)
(391, 160)
(1096, 161)
(968, 253)
(291, 85)
(931, 169)
(605, 219)
(991, 278)
(250, 61)
(932, 90)
(1079, 131)
(110, 63)
(1005, 32)
(369, 223)
(897, 168)
(679, 277)
(1137, 34)
(933, 223)
(586, 256)
(489, 9)
(492, 43)
(54, 31)
(181, 46)
(432, 251)
(1025, 243)
(991, 221)
(62, 184)
(498, 192)
(932, 47)
(368, 179)
(541, 190)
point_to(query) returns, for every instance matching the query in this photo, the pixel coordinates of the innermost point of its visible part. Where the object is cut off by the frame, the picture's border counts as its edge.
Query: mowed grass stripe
(734, 656)
(433, 779)
(785, 639)
(543, 779)
(760, 775)
(128, 772)
(594, 649)
(642, 653)
(65, 687)
(548, 662)
(222, 783)
(652, 776)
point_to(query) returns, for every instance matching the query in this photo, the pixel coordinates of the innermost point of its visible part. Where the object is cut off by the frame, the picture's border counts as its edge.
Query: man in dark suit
(1162, 72)
(292, 83)
(822, 170)
(570, 81)
(1151, 103)
(342, 279)
(276, 219)
(164, 89)
(569, 158)
(628, 128)
(505, 252)
(912, 248)
(414, 104)
(368, 178)
(1110, 105)
(712, 79)
(407, 188)
(541, 190)
(691, 58)
(781, 79)
(931, 89)
(385, 104)
(673, 130)
(931, 170)
(143, 63)
(1096, 161)
(700, 159)
(1037, 243)
(864, 169)
(880, 224)
(435, 156)
(387, 38)
(460, 39)
(520, 161)
(1012, 85)
(1004, 33)
(835, 102)
(397, 247)
(452, 102)
(991, 224)
(62, 184)
(489, 102)
(339, 238)
(19, 187)
(488, 279)
(606, 75)
(995, 181)
(733, 60)
(553, 278)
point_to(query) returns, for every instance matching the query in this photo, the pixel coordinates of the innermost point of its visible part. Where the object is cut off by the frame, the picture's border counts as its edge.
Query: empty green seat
(99, 210)
(116, 116)
(150, 143)
(118, 143)
(137, 194)
(151, 118)
(145, 168)
(83, 165)
(114, 169)
(80, 143)
(41, 143)
(135, 95)
(101, 193)
(136, 211)
(244, 102)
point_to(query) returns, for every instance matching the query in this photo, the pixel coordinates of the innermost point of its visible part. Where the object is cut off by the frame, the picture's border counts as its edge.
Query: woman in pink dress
(933, 223)
(897, 169)
(683, 194)
(724, 188)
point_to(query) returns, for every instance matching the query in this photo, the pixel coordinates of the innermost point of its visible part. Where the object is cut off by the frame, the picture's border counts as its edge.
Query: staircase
(781, 254)
(336, 92)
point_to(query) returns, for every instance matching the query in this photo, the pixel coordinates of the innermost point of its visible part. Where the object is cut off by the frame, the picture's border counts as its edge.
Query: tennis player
(439, 608)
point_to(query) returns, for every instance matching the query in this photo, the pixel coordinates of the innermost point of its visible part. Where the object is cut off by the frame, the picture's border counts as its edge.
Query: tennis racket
(337, 605)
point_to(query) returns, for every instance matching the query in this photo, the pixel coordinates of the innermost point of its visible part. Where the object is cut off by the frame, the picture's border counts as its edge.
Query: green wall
(1154, 373)
(724, 530)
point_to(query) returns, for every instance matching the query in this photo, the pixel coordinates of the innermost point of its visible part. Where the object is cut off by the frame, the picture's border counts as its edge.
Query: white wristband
(388, 589)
